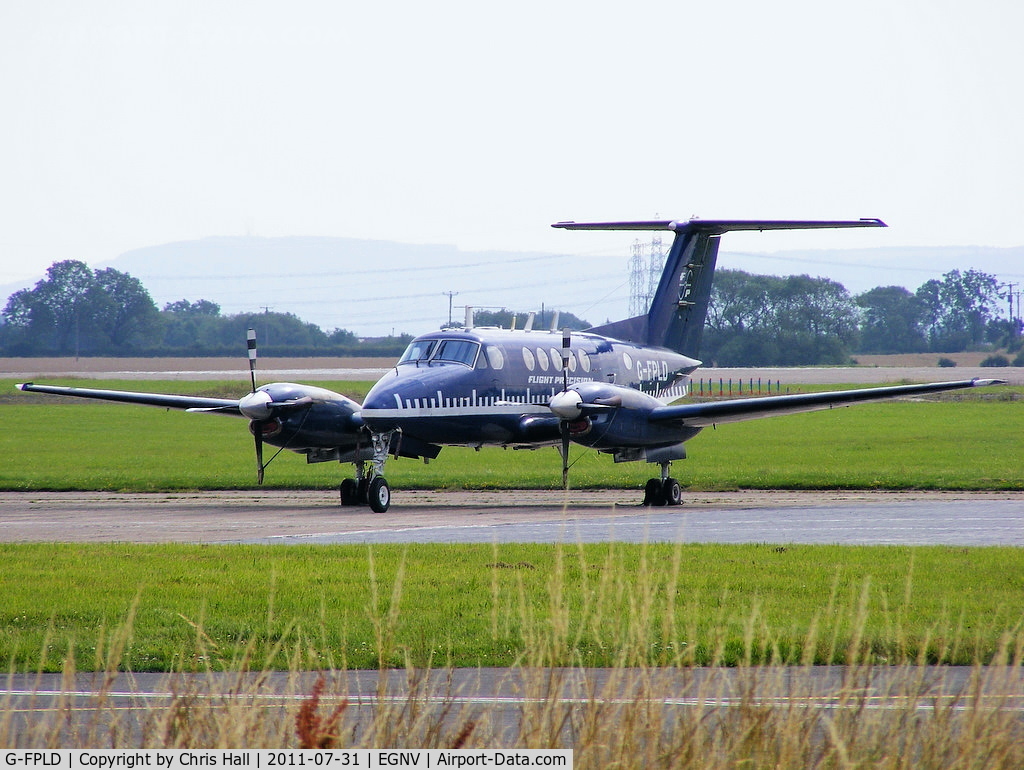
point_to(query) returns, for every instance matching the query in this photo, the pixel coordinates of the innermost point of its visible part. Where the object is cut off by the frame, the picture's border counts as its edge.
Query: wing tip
(978, 382)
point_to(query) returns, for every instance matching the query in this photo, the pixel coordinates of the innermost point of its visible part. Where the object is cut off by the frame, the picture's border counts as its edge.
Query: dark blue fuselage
(492, 386)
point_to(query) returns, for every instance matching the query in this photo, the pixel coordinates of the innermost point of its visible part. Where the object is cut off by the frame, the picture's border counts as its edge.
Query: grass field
(76, 608)
(518, 604)
(973, 441)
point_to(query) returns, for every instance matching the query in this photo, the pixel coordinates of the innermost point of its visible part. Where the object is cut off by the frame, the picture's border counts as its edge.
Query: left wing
(226, 405)
(735, 410)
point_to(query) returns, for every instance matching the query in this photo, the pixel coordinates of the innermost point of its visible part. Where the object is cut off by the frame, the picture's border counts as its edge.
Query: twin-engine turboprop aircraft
(611, 388)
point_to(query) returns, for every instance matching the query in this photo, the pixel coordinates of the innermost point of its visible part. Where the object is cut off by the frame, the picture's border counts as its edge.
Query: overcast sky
(129, 124)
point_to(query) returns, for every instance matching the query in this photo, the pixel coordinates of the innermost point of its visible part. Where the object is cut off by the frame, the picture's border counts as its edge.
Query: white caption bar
(262, 759)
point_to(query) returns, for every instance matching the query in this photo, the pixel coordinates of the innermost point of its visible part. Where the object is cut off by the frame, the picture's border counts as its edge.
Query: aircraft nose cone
(566, 404)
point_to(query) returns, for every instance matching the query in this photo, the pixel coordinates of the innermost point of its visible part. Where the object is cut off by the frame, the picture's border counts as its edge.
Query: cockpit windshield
(418, 350)
(446, 351)
(457, 351)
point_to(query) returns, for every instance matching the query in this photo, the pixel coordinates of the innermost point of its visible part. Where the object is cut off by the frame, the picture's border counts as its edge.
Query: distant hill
(375, 288)
(369, 287)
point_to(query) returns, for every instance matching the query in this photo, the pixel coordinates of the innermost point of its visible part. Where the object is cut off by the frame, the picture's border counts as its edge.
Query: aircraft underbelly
(451, 428)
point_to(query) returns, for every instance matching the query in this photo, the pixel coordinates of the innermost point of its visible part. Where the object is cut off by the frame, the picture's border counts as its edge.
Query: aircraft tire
(379, 494)
(671, 492)
(653, 493)
(349, 492)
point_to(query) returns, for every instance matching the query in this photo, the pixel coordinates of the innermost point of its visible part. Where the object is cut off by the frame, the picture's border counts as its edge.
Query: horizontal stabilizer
(720, 226)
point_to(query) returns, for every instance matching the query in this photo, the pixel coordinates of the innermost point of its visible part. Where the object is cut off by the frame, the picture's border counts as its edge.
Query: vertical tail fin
(680, 305)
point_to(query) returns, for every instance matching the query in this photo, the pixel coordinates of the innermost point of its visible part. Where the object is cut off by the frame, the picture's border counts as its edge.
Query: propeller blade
(258, 436)
(564, 428)
(250, 338)
(566, 341)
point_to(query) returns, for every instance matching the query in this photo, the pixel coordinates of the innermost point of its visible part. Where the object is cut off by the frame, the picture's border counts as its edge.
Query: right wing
(710, 413)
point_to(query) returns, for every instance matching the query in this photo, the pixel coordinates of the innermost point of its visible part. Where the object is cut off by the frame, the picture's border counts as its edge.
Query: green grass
(973, 442)
(193, 607)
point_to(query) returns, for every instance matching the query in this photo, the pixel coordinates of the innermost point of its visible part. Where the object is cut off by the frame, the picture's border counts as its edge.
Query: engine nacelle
(618, 418)
(303, 417)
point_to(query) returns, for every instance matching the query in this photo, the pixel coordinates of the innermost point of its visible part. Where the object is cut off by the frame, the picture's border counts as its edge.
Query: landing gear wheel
(652, 493)
(379, 494)
(349, 492)
(363, 491)
(671, 492)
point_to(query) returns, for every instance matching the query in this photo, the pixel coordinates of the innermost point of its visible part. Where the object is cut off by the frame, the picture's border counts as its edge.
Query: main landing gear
(372, 489)
(663, 491)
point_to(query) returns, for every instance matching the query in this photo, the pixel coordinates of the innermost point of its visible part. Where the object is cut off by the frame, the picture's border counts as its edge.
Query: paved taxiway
(289, 517)
(499, 695)
(502, 702)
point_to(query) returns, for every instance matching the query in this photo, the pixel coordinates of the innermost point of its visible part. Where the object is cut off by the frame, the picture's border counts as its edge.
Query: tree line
(77, 311)
(753, 320)
(761, 320)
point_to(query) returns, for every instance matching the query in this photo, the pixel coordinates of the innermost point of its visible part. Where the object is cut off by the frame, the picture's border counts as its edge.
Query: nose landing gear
(372, 489)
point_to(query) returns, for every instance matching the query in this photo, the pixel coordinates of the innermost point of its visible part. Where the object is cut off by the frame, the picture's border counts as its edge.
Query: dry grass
(629, 715)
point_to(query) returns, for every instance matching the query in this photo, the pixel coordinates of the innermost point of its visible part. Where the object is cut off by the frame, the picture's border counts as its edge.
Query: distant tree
(996, 360)
(16, 333)
(76, 310)
(892, 321)
(191, 328)
(65, 298)
(276, 330)
(758, 320)
(129, 317)
(958, 309)
(199, 307)
(342, 337)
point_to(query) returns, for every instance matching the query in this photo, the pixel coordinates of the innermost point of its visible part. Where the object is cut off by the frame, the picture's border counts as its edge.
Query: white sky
(129, 124)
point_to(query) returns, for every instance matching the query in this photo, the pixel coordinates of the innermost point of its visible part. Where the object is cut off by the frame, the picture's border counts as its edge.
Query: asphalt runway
(315, 517)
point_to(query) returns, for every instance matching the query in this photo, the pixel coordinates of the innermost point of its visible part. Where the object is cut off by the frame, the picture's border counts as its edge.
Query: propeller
(257, 424)
(569, 406)
(261, 407)
(563, 424)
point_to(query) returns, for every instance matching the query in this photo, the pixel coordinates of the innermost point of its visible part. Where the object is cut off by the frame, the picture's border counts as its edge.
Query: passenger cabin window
(418, 350)
(495, 356)
(528, 359)
(457, 351)
(584, 359)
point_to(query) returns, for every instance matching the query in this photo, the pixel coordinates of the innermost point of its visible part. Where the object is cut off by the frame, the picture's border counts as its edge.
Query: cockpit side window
(457, 351)
(418, 350)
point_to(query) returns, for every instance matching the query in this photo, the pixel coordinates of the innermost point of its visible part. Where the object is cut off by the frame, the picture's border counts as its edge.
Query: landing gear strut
(372, 489)
(663, 491)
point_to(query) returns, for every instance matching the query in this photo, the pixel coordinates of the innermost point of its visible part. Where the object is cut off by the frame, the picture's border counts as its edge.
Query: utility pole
(1009, 298)
(450, 295)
